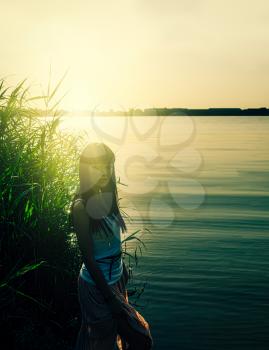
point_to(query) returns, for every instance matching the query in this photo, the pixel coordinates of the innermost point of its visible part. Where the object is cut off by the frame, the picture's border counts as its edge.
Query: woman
(108, 320)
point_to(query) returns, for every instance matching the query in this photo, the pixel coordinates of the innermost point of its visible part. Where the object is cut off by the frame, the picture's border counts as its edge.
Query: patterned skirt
(98, 321)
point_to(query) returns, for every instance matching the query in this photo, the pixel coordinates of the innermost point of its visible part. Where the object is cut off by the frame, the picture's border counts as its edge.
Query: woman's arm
(125, 273)
(85, 241)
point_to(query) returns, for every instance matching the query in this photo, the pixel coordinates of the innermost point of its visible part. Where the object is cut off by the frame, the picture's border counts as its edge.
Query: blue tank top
(107, 254)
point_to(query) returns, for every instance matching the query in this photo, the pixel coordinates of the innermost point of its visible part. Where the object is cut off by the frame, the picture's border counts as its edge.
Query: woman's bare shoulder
(80, 218)
(78, 206)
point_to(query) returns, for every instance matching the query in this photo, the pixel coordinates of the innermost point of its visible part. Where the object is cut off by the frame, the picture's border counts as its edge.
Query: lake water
(200, 184)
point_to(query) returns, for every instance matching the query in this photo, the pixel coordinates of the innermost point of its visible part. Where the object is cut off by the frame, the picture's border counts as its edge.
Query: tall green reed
(37, 178)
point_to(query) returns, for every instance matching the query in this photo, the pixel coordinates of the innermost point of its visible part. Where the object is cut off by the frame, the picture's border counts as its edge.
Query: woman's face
(103, 171)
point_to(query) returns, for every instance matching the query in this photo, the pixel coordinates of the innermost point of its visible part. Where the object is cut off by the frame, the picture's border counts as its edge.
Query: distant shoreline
(233, 112)
(176, 112)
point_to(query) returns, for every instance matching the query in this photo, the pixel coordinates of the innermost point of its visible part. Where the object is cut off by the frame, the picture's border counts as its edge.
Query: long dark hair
(88, 192)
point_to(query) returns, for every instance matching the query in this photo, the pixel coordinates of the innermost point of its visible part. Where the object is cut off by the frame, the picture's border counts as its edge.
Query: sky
(124, 54)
